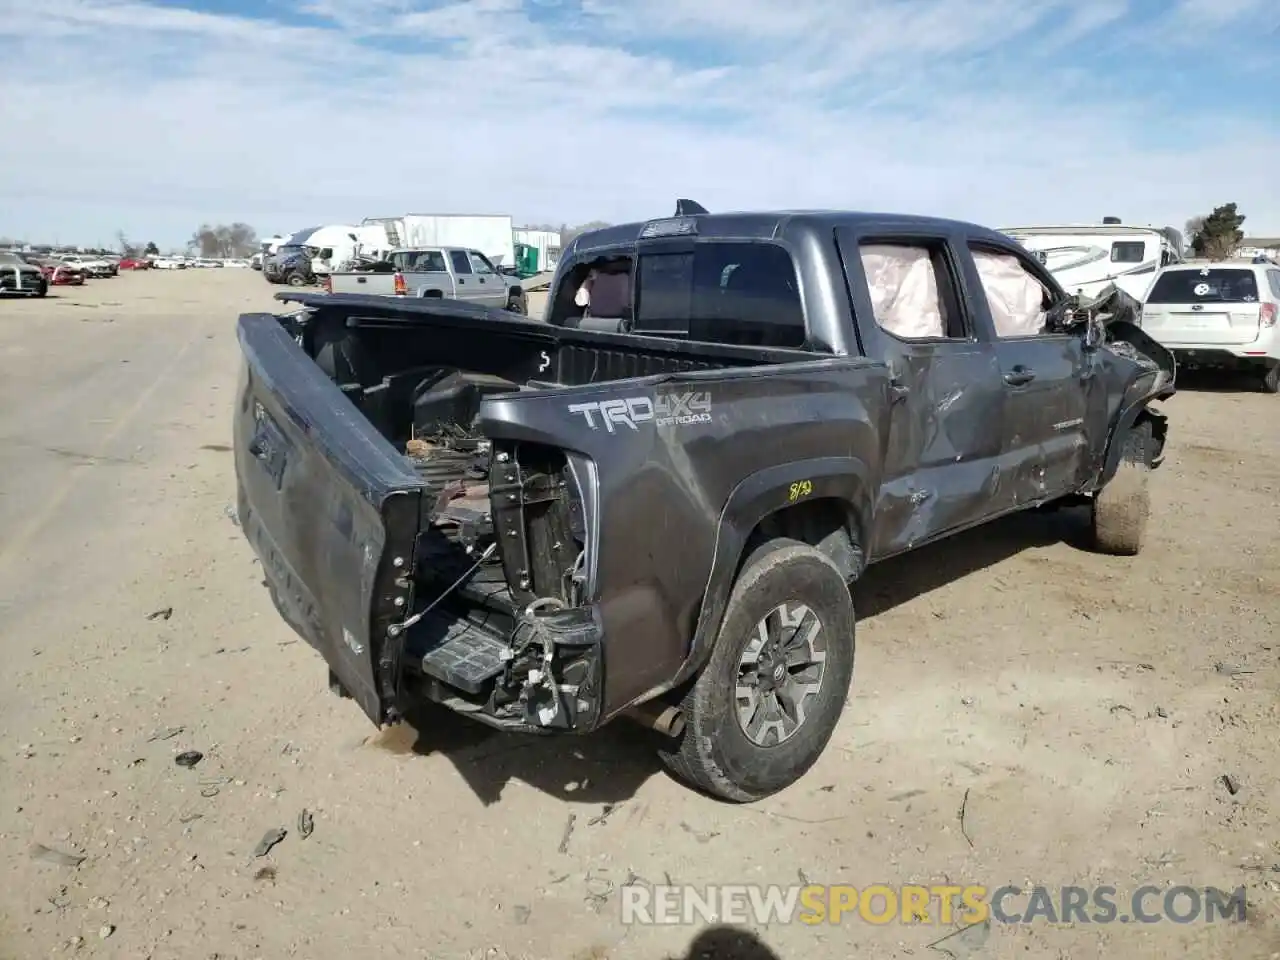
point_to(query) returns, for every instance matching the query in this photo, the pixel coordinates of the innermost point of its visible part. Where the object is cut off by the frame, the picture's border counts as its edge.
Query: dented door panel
(1044, 416)
(942, 450)
(943, 444)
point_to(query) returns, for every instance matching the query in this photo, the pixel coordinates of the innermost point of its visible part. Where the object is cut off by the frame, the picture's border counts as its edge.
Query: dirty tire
(714, 753)
(1271, 379)
(1122, 507)
(518, 305)
(296, 280)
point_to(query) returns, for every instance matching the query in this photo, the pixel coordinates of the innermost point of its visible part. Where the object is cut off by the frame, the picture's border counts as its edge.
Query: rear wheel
(1122, 508)
(1271, 379)
(765, 705)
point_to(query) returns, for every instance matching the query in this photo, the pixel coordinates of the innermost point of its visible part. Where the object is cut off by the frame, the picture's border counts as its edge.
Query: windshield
(1210, 285)
(289, 250)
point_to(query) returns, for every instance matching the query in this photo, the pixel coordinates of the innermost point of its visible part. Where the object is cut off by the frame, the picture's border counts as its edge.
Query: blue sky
(152, 117)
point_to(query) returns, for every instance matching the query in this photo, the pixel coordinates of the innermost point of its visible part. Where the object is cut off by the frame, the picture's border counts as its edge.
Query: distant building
(1252, 247)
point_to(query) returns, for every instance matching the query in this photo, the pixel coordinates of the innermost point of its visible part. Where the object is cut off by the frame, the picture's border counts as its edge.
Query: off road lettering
(682, 409)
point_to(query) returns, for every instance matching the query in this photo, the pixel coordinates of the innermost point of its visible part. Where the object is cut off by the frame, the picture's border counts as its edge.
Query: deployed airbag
(904, 291)
(1015, 297)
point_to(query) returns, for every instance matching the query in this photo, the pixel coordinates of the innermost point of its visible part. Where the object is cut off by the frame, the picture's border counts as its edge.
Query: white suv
(1219, 314)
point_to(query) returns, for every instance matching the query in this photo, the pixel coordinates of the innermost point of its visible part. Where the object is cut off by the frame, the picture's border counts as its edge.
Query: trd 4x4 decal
(672, 409)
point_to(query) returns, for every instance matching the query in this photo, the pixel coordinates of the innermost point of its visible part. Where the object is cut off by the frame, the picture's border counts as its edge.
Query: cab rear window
(1212, 285)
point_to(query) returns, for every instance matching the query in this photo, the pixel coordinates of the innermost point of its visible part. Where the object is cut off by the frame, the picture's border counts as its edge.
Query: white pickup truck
(454, 273)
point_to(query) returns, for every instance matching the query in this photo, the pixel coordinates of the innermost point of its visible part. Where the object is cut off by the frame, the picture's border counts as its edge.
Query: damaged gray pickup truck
(652, 504)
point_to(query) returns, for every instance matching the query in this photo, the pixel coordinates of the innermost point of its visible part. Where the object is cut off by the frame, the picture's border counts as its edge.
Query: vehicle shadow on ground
(727, 943)
(609, 766)
(606, 767)
(901, 579)
(1219, 381)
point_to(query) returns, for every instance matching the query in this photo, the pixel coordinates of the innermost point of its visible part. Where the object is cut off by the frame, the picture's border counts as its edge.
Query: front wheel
(296, 280)
(518, 305)
(1271, 379)
(1122, 508)
(765, 705)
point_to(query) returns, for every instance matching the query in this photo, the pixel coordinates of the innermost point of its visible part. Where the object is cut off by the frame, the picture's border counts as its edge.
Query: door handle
(460, 280)
(1019, 376)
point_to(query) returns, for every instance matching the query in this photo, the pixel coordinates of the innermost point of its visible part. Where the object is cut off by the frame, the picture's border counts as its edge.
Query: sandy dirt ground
(1082, 710)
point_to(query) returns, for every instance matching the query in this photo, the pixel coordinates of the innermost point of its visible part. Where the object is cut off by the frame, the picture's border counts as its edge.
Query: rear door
(426, 273)
(1208, 306)
(942, 449)
(491, 290)
(464, 275)
(330, 508)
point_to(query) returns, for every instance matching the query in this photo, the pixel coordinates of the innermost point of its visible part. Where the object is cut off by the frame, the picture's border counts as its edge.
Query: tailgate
(330, 508)
(1227, 324)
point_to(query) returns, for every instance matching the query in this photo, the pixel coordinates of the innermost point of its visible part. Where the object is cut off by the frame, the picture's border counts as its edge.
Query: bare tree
(568, 233)
(1193, 228)
(127, 249)
(224, 240)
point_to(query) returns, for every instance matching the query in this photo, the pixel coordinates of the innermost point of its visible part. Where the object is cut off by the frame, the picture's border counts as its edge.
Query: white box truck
(491, 234)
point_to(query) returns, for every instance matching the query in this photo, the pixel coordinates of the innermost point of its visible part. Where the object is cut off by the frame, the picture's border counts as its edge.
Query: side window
(479, 263)
(912, 292)
(1128, 251)
(733, 293)
(1017, 300)
(419, 261)
(461, 262)
(1273, 278)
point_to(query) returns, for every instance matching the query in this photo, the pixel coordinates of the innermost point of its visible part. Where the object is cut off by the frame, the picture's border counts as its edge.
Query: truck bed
(574, 357)
(416, 476)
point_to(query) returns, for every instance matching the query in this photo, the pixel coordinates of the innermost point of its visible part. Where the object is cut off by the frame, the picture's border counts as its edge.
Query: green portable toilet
(526, 260)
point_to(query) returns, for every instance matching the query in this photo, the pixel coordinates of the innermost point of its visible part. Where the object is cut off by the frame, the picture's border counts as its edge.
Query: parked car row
(32, 274)
(196, 263)
(19, 277)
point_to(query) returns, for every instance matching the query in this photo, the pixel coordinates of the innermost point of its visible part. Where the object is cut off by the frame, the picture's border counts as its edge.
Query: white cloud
(153, 118)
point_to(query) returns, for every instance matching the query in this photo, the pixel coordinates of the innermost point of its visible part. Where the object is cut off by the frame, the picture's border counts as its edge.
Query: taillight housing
(401, 289)
(327, 284)
(1267, 316)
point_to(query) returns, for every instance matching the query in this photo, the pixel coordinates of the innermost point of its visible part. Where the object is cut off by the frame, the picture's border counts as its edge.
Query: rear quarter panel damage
(683, 468)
